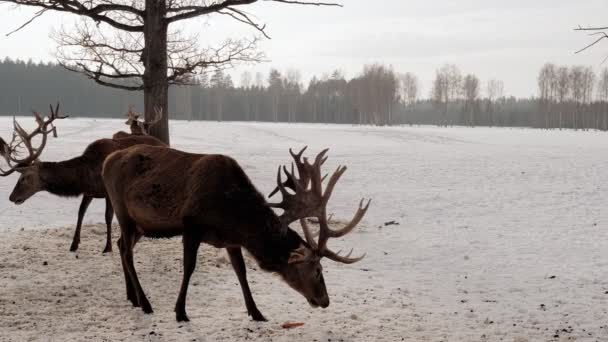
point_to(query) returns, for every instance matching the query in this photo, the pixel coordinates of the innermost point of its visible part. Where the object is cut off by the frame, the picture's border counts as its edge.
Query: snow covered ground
(502, 235)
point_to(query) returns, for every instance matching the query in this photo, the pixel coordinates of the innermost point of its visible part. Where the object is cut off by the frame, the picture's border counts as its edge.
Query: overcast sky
(508, 40)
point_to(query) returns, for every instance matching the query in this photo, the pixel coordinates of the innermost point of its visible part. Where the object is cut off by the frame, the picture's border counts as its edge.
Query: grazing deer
(73, 177)
(162, 192)
(136, 126)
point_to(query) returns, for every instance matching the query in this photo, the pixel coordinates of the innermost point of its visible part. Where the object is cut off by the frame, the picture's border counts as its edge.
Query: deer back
(96, 152)
(160, 188)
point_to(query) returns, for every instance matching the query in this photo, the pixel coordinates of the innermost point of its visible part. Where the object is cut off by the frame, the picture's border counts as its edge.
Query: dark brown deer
(74, 177)
(161, 192)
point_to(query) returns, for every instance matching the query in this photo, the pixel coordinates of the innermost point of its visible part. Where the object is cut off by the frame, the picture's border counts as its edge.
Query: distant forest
(569, 97)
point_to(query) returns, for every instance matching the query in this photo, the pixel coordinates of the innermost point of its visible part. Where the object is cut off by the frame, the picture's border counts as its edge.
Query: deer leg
(109, 216)
(130, 289)
(139, 291)
(129, 238)
(238, 263)
(84, 205)
(191, 244)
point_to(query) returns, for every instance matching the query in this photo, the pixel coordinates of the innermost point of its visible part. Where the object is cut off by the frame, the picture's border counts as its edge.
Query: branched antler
(312, 201)
(23, 140)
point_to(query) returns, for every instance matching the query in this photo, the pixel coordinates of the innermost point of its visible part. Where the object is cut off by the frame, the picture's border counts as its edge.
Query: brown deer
(73, 177)
(161, 192)
(136, 126)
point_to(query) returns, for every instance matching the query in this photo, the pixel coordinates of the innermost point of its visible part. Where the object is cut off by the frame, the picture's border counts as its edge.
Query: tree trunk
(154, 58)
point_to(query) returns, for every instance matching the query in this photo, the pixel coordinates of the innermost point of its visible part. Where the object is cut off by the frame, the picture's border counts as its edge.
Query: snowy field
(501, 235)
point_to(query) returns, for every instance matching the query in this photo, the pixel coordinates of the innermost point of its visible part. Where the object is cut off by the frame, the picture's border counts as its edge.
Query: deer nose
(324, 302)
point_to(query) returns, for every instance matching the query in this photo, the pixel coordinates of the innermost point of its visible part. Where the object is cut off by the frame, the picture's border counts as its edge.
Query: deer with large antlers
(162, 192)
(137, 126)
(69, 178)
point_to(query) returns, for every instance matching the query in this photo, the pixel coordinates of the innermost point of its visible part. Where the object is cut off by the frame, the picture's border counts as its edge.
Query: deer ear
(299, 255)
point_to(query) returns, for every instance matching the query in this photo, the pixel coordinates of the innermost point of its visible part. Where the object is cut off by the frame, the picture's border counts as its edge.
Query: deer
(136, 126)
(70, 178)
(159, 192)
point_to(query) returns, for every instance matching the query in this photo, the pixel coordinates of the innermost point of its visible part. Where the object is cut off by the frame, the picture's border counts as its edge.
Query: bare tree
(446, 87)
(128, 44)
(494, 90)
(409, 86)
(562, 91)
(408, 90)
(577, 82)
(589, 118)
(546, 85)
(602, 95)
(470, 89)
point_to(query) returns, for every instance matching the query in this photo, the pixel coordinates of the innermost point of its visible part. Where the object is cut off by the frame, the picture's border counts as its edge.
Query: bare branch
(603, 35)
(187, 12)
(246, 19)
(36, 15)
(191, 11)
(314, 3)
(98, 77)
(191, 62)
(99, 12)
(580, 28)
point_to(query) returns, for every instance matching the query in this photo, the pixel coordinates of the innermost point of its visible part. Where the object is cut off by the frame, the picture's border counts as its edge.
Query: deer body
(162, 192)
(75, 177)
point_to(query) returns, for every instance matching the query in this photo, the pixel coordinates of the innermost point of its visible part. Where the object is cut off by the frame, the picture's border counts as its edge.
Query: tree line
(569, 97)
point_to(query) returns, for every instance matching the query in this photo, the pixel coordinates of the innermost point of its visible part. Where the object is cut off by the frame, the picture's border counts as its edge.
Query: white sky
(505, 39)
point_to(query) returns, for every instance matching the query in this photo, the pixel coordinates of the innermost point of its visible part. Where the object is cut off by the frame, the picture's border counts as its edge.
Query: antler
(312, 202)
(10, 151)
(158, 115)
(289, 183)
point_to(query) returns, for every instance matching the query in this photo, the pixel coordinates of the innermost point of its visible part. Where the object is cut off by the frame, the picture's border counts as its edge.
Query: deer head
(142, 127)
(308, 198)
(29, 182)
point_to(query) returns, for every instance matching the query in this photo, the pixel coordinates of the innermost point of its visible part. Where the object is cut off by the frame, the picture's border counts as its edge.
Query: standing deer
(73, 177)
(162, 192)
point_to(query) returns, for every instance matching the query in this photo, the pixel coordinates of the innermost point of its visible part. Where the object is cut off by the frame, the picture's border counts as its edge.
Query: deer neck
(272, 249)
(62, 178)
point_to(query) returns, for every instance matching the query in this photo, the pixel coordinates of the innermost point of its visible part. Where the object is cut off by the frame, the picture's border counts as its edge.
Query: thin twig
(38, 14)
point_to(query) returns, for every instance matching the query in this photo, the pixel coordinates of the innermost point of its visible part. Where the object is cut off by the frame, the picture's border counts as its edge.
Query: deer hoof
(74, 247)
(182, 317)
(108, 249)
(258, 317)
(147, 308)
